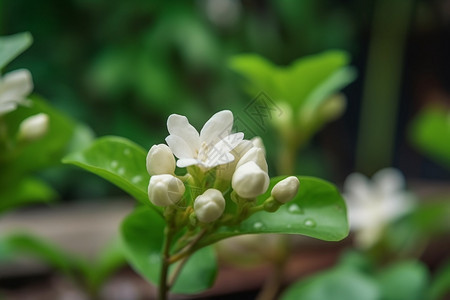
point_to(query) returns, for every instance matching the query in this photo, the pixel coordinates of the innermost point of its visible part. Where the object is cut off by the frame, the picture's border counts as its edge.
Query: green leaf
(340, 283)
(404, 281)
(117, 160)
(110, 259)
(440, 286)
(430, 133)
(11, 46)
(39, 154)
(26, 191)
(23, 243)
(142, 234)
(307, 81)
(317, 211)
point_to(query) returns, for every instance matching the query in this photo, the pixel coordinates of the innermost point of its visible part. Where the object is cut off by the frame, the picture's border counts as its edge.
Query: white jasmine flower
(14, 88)
(34, 127)
(160, 160)
(250, 181)
(285, 190)
(209, 206)
(372, 205)
(211, 148)
(165, 190)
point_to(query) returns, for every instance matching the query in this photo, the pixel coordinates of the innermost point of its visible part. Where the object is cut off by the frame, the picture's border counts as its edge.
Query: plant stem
(275, 279)
(187, 249)
(163, 287)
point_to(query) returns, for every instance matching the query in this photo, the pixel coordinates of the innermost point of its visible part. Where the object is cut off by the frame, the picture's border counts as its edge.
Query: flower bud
(34, 127)
(285, 190)
(258, 143)
(249, 180)
(209, 206)
(160, 160)
(225, 172)
(165, 190)
(256, 155)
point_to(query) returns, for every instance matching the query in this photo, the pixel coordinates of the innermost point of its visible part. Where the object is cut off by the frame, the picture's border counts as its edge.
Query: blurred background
(122, 67)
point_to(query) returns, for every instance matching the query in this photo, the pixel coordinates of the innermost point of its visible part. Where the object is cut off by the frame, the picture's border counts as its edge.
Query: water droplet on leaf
(295, 209)
(114, 164)
(126, 152)
(258, 225)
(121, 171)
(310, 223)
(154, 258)
(136, 179)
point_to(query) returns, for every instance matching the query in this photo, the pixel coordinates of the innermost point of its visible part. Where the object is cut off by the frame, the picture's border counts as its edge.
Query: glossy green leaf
(26, 191)
(338, 284)
(117, 160)
(142, 235)
(317, 211)
(11, 46)
(404, 281)
(430, 132)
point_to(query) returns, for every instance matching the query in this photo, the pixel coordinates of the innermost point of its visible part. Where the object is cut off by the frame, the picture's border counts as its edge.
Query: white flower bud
(160, 160)
(165, 190)
(285, 190)
(250, 181)
(256, 155)
(226, 171)
(34, 127)
(258, 143)
(209, 206)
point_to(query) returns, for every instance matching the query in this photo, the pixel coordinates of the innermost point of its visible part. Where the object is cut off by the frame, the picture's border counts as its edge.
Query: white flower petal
(179, 147)
(358, 186)
(186, 162)
(230, 142)
(15, 86)
(180, 126)
(217, 127)
(388, 180)
(217, 159)
(7, 107)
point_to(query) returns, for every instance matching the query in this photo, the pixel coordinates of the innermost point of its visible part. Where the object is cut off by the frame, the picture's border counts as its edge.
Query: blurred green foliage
(123, 66)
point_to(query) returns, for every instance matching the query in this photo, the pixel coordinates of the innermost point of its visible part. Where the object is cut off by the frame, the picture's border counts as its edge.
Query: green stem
(187, 250)
(379, 108)
(275, 279)
(163, 287)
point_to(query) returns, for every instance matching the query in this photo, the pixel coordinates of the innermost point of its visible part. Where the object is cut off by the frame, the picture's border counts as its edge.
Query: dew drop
(114, 164)
(153, 258)
(288, 226)
(121, 171)
(126, 152)
(136, 179)
(258, 225)
(310, 223)
(295, 209)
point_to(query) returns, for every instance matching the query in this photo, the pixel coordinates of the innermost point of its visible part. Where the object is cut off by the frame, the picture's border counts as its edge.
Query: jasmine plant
(200, 188)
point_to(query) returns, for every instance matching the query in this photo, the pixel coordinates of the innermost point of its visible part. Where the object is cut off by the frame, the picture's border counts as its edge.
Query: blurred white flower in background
(34, 127)
(373, 204)
(14, 88)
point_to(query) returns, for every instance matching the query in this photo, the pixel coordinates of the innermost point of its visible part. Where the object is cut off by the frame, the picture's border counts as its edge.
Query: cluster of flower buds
(220, 165)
